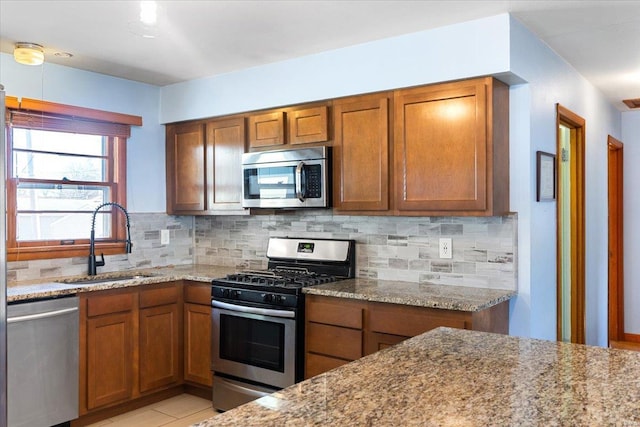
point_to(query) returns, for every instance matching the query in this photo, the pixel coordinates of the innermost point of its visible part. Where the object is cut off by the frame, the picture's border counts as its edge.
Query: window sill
(28, 253)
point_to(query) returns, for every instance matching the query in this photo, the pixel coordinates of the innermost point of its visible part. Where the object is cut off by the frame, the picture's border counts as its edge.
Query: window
(63, 162)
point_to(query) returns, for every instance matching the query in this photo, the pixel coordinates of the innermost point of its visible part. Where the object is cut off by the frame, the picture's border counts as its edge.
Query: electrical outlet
(164, 237)
(446, 249)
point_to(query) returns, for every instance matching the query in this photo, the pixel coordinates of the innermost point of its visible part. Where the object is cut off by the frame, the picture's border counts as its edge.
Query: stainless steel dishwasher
(42, 362)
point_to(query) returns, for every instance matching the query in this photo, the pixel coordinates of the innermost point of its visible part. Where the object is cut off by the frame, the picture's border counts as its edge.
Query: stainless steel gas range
(258, 317)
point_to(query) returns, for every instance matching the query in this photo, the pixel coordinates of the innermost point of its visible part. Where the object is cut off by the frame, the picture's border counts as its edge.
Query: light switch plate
(446, 250)
(164, 237)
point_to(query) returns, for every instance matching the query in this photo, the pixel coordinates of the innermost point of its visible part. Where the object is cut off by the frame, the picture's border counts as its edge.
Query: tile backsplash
(391, 248)
(147, 251)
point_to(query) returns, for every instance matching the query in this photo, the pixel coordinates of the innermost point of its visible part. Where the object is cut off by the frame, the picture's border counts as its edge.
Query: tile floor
(178, 411)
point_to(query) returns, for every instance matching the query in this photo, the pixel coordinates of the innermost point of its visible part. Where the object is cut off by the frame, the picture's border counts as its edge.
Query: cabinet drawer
(375, 341)
(167, 294)
(342, 314)
(197, 293)
(409, 321)
(334, 341)
(98, 305)
(316, 364)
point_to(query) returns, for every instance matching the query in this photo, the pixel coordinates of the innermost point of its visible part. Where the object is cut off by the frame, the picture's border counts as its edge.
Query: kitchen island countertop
(452, 377)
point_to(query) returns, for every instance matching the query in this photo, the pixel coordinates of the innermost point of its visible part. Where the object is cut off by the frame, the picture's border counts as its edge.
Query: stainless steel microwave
(297, 178)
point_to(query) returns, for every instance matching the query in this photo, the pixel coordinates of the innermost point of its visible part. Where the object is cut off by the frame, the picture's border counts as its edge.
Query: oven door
(255, 344)
(290, 184)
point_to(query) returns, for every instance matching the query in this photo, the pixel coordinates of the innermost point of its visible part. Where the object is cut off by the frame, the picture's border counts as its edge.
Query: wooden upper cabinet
(277, 129)
(185, 168)
(451, 149)
(361, 153)
(225, 144)
(308, 125)
(204, 166)
(266, 129)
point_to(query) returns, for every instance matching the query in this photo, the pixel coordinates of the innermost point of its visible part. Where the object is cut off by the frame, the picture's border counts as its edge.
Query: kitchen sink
(103, 278)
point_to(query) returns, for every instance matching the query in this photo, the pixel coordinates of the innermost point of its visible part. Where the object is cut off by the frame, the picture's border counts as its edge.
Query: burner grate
(285, 278)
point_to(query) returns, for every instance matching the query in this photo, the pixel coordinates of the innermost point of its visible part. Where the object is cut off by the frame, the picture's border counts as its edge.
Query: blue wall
(631, 140)
(65, 85)
(551, 80)
(458, 51)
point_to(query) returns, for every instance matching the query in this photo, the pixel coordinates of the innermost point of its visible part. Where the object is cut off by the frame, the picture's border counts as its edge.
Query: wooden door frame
(577, 125)
(616, 239)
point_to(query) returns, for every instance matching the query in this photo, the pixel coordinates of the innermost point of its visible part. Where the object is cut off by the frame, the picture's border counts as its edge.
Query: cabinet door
(361, 154)
(197, 343)
(266, 129)
(308, 125)
(185, 168)
(109, 359)
(441, 147)
(225, 144)
(160, 360)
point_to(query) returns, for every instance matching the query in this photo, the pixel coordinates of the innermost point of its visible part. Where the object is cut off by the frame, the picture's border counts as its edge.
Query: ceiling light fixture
(28, 53)
(148, 12)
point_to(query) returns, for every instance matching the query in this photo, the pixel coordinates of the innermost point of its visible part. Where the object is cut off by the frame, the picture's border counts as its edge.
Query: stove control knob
(225, 293)
(235, 294)
(267, 298)
(278, 299)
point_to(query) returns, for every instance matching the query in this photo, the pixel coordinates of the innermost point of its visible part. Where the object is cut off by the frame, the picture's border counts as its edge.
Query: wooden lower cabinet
(333, 333)
(339, 330)
(109, 355)
(159, 347)
(130, 344)
(197, 333)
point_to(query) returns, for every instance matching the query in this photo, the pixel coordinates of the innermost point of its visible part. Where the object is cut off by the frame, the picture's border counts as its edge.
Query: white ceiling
(193, 39)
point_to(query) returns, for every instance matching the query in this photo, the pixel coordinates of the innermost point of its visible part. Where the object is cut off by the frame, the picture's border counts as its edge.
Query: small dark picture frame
(546, 177)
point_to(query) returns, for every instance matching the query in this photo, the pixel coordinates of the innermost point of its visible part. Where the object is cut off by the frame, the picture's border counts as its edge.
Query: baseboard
(632, 337)
(625, 345)
(198, 390)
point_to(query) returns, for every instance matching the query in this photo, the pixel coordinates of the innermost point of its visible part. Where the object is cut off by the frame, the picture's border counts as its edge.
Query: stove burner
(284, 278)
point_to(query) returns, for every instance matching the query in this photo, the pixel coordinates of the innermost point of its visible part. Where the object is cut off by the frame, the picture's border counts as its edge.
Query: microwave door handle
(299, 191)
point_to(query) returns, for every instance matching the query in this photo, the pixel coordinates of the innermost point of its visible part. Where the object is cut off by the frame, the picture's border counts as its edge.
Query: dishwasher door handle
(37, 316)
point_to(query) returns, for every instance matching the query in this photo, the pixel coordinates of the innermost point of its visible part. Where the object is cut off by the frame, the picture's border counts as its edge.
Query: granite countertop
(452, 377)
(55, 287)
(423, 295)
(387, 291)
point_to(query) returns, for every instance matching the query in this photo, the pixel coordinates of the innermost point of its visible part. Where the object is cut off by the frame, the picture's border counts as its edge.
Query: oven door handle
(253, 310)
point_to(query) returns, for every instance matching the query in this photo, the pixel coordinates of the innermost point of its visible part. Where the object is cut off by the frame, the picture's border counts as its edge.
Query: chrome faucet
(93, 262)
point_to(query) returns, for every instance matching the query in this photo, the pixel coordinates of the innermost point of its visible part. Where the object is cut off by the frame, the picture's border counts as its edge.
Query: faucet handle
(101, 262)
